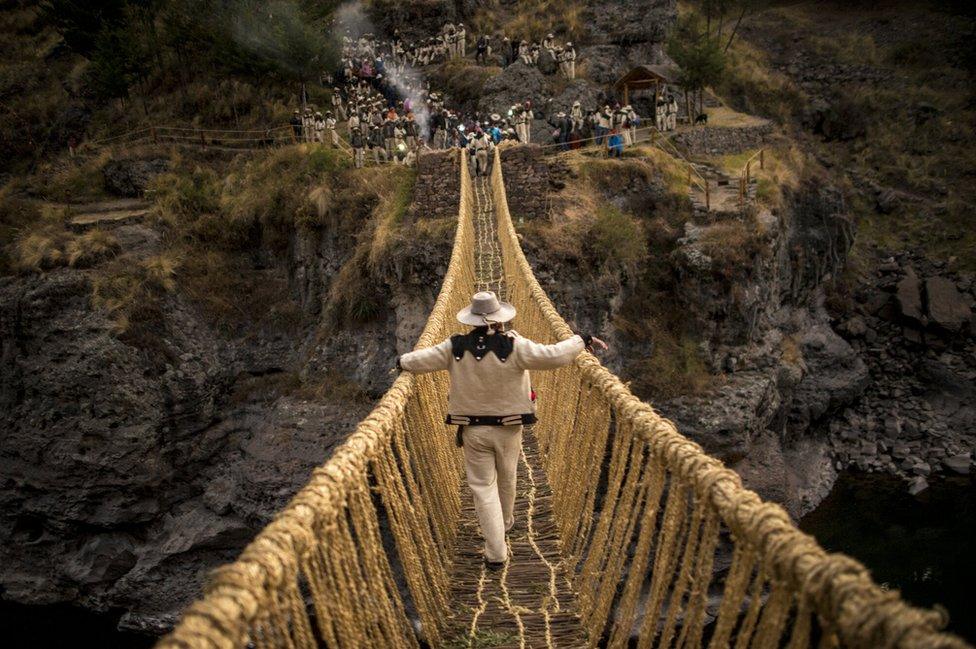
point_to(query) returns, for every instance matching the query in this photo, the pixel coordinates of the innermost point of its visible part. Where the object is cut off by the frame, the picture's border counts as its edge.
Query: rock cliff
(133, 465)
(756, 304)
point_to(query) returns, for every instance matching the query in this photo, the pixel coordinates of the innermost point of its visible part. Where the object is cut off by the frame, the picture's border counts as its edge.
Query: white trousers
(491, 458)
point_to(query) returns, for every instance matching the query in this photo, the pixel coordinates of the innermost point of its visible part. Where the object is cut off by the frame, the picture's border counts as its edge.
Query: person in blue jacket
(615, 144)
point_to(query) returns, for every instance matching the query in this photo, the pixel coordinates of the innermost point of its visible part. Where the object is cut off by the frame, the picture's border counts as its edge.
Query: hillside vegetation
(885, 95)
(68, 70)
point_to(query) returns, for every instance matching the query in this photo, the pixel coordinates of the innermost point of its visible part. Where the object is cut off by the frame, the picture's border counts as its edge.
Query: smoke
(351, 20)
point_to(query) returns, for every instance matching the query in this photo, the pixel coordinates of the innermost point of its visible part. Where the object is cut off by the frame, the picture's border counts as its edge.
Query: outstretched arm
(429, 359)
(535, 356)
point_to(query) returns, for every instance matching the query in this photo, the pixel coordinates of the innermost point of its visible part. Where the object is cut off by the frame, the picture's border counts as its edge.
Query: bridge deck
(530, 603)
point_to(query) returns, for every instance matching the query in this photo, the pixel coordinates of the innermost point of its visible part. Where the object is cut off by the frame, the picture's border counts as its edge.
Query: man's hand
(596, 345)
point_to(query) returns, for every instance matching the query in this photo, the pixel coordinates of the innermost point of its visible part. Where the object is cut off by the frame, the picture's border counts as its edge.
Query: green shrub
(183, 197)
(617, 238)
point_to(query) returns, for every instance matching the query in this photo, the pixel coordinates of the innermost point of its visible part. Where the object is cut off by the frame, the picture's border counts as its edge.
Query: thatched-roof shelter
(644, 77)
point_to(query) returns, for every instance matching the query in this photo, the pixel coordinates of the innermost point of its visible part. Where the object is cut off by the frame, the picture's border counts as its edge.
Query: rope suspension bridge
(621, 522)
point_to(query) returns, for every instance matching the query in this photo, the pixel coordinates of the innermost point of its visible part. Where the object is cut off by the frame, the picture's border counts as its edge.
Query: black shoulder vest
(479, 343)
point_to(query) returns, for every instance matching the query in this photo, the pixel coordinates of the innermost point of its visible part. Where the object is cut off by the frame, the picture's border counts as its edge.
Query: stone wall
(437, 189)
(528, 198)
(718, 141)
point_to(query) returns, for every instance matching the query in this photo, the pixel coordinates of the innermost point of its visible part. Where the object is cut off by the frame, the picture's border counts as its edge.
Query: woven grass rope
(639, 555)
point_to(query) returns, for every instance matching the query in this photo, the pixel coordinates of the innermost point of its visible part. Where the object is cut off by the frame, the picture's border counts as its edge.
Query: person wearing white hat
(633, 121)
(490, 400)
(568, 64)
(549, 44)
(576, 112)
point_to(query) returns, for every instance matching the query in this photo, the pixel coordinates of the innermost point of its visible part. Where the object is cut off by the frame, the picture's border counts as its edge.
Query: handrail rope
(591, 138)
(674, 151)
(232, 604)
(116, 137)
(700, 181)
(221, 130)
(839, 588)
(149, 130)
(745, 172)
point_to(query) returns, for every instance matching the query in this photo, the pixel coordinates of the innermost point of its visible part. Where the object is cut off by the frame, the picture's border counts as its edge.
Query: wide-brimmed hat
(485, 309)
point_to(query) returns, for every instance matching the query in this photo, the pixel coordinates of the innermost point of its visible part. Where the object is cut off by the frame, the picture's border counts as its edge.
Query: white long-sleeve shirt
(492, 387)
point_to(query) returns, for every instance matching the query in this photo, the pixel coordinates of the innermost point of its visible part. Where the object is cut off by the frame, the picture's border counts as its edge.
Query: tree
(80, 23)
(278, 38)
(117, 61)
(701, 59)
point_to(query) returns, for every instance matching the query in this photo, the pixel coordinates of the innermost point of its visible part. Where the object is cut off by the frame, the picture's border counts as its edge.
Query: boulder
(947, 308)
(922, 468)
(130, 178)
(103, 558)
(547, 64)
(855, 326)
(585, 92)
(886, 201)
(909, 296)
(918, 485)
(625, 23)
(958, 463)
(516, 84)
(727, 421)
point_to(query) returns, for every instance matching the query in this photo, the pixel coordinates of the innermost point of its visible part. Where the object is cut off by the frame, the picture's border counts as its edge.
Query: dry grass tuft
(463, 81)
(757, 89)
(333, 386)
(43, 242)
(90, 248)
(131, 291)
(72, 179)
(532, 19)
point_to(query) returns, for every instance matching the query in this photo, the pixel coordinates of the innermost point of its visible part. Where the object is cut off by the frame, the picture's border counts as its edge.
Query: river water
(923, 545)
(61, 625)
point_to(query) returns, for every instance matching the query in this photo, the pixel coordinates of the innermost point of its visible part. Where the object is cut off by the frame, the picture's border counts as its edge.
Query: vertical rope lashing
(840, 592)
(665, 559)
(589, 575)
(327, 536)
(627, 607)
(695, 540)
(328, 533)
(625, 520)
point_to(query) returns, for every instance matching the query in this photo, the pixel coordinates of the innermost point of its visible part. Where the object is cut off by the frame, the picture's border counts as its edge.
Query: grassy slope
(889, 65)
(47, 95)
(615, 241)
(215, 211)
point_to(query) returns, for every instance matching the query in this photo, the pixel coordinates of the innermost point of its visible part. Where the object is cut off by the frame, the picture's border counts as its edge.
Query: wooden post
(708, 198)
(762, 158)
(626, 93)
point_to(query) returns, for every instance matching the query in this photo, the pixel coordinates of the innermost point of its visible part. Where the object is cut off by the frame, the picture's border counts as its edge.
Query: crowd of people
(387, 111)
(666, 113)
(451, 43)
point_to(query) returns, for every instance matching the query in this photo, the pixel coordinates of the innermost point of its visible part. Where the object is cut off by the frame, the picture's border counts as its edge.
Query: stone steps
(107, 214)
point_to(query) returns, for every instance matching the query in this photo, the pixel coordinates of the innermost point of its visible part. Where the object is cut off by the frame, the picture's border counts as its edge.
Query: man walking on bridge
(490, 400)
